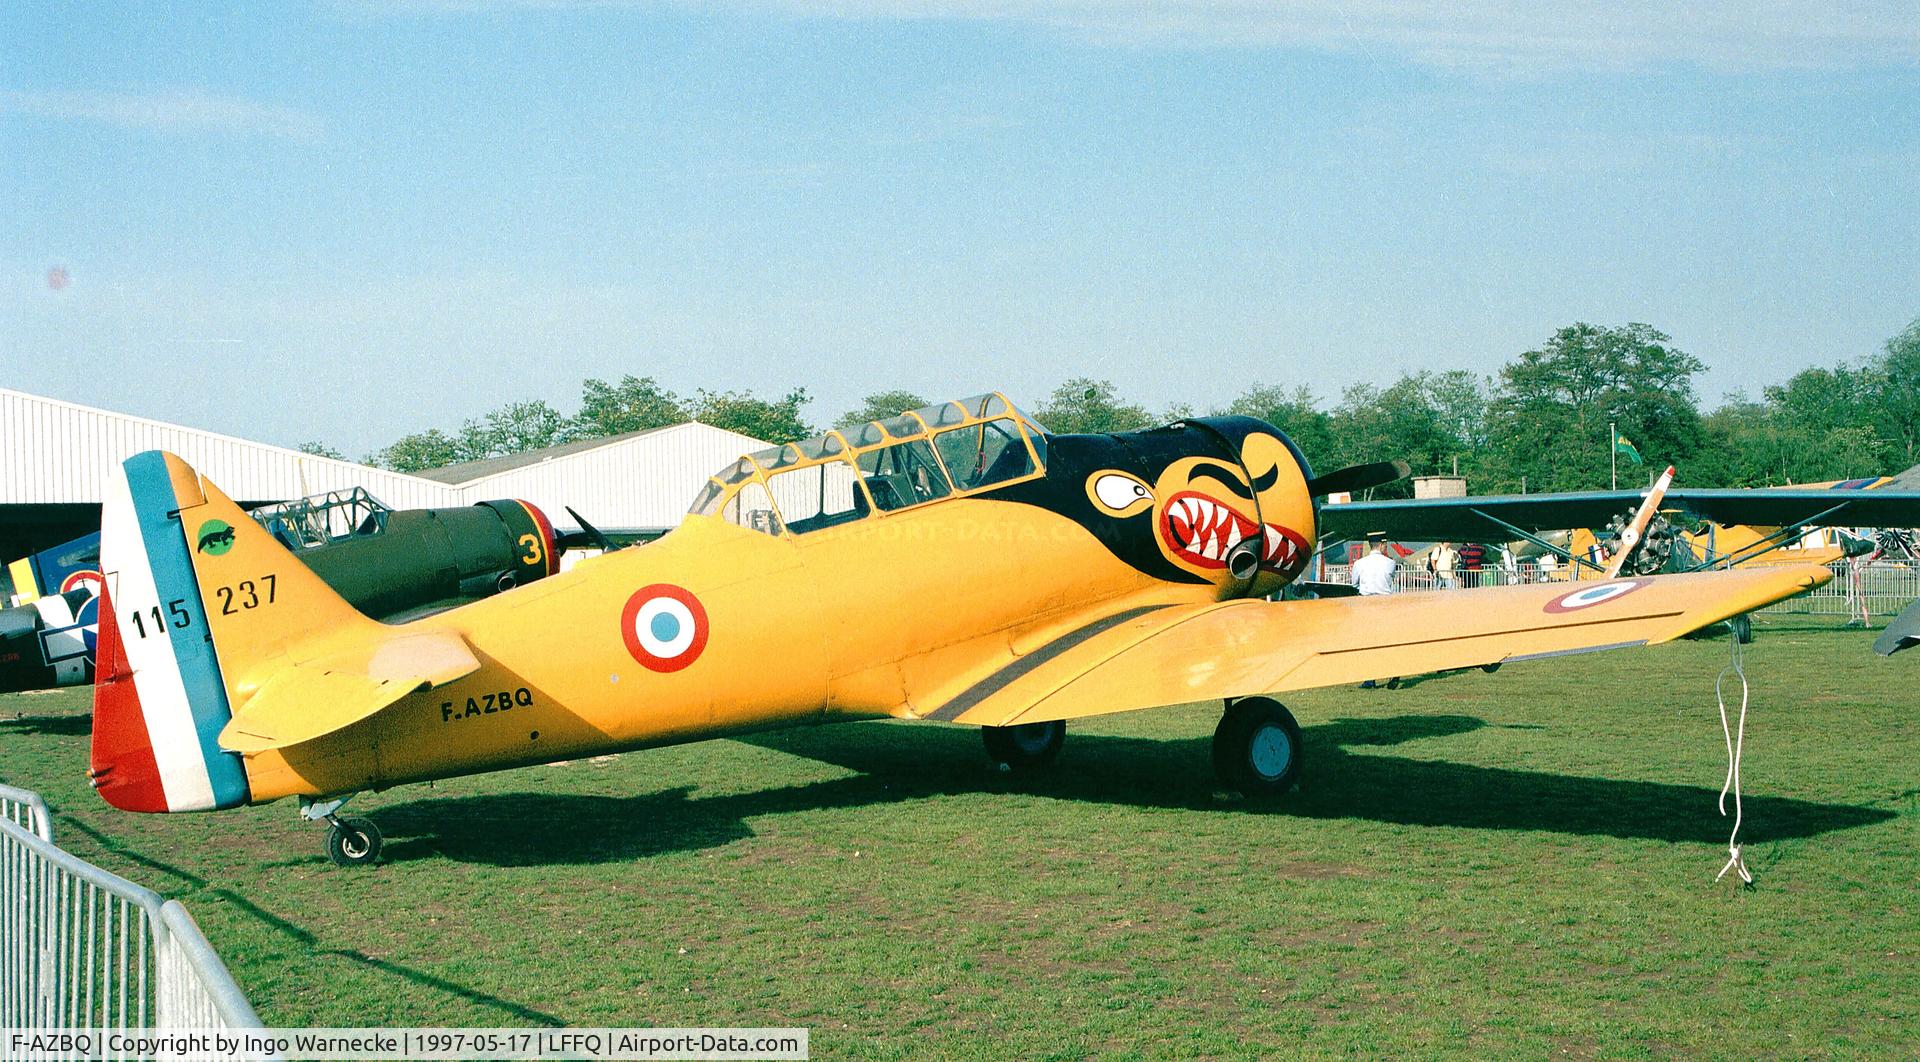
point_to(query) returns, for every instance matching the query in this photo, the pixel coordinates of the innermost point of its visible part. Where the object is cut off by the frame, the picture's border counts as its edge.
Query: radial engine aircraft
(955, 563)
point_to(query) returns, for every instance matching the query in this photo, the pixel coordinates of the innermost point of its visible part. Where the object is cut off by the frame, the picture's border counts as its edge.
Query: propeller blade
(1358, 477)
(588, 535)
(1630, 535)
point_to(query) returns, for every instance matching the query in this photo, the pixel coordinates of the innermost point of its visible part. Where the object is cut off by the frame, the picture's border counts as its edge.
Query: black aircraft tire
(1026, 746)
(1257, 748)
(1742, 628)
(353, 843)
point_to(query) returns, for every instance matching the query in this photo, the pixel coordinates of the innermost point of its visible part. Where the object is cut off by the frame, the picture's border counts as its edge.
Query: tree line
(1539, 423)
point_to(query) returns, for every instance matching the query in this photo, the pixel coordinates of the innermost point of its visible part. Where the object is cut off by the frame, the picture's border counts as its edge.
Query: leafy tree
(320, 449)
(1548, 419)
(879, 406)
(422, 450)
(1084, 406)
(634, 404)
(1294, 412)
(777, 421)
(1894, 382)
(514, 428)
(1403, 420)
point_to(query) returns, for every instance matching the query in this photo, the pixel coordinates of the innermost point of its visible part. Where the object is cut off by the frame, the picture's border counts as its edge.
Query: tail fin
(199, 604)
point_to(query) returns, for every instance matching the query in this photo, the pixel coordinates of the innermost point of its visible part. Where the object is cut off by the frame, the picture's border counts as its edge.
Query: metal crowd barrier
(84, 948)
(1874, 588)
(24, 807)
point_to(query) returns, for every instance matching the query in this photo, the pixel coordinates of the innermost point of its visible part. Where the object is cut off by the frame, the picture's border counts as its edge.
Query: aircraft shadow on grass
(52, 725)
(897, 763)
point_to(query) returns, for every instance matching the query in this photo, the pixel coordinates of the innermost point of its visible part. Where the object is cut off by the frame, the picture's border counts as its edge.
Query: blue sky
(346, 221)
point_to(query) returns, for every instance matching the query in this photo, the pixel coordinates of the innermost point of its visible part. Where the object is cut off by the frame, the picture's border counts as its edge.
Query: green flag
(1625, 449)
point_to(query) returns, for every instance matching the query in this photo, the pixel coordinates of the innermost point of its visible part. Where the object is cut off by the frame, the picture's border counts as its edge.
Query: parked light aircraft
(955, 563)
(390, 564)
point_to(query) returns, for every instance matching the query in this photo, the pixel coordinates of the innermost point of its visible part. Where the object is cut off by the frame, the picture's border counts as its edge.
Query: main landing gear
(1026, 747)
(351, 842)
(1257, 747)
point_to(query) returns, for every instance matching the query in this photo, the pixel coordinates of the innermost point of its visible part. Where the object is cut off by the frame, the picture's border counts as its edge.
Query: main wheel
(1257, 747)
(353, 842)
(1026, 746)
(1742, 626)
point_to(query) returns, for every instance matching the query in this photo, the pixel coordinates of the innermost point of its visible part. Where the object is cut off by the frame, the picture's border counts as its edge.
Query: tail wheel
(1025, 747)
(353, 842)
(1257, 747)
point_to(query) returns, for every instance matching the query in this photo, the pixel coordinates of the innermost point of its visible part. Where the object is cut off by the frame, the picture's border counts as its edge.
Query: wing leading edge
(1238, 648)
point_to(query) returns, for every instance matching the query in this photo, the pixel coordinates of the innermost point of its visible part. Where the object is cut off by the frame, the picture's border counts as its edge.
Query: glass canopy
(925, 455)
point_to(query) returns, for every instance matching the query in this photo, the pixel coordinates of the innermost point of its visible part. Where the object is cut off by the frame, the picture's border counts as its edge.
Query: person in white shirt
(1372, 575)
(1442, 562)
(1548, 562)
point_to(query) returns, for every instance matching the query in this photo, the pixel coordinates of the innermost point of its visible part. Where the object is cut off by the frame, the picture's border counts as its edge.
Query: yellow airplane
(955, 563)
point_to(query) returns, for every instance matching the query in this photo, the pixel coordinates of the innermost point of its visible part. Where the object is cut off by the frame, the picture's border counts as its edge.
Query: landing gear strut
(1026, 747)
(350, 842)
(1257, 747)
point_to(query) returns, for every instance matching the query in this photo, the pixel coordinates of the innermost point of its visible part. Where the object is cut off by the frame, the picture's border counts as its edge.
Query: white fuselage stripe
(156, 673)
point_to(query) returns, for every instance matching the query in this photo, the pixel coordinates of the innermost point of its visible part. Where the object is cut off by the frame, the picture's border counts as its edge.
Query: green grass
(1519, 863)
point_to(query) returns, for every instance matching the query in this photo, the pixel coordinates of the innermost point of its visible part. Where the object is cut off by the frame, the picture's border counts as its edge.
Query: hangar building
(56, 459)
(640, 482)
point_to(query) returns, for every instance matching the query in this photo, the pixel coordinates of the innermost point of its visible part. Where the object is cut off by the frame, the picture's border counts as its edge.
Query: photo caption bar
(453, 1045)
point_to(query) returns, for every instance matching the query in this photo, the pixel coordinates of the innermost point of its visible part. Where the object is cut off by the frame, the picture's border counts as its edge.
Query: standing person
(1373, 576)
(1509, 567)
(1473, 557)
(1442, 563)
(1548, 563)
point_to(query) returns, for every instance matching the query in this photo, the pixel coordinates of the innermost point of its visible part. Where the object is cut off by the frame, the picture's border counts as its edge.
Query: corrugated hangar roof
(54, 452)
(60, 453)
(468, 471)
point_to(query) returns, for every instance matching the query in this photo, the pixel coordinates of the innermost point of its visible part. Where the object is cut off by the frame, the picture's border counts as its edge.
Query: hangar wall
(643, 481)
(57, 458)
(55, 453)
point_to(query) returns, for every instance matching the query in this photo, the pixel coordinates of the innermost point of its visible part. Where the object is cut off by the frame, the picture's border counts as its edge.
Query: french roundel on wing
(664, 626)
(1589, 596)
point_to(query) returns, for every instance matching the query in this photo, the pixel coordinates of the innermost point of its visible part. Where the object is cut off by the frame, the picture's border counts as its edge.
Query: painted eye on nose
(1118, 493)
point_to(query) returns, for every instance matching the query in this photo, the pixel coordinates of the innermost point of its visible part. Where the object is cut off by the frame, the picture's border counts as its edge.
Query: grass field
(1518, 863)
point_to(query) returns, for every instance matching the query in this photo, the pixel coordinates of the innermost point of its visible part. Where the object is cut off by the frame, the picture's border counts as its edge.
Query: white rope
(1736, 744)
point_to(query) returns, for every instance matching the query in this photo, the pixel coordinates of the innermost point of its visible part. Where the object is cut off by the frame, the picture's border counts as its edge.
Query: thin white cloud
(182, 110)
(1519, 37)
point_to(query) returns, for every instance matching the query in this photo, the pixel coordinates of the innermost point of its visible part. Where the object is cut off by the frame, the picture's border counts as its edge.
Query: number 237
(245, 595)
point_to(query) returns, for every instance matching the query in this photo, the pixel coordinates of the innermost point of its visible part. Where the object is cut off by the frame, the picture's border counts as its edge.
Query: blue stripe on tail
(157, 511)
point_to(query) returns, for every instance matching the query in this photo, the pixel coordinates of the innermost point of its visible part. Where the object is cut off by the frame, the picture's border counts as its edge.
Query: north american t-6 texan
(955, 563)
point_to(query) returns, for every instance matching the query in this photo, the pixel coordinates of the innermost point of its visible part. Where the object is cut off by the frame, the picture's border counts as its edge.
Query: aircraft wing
(1482, 519)
(1182, 653)
(314, 698)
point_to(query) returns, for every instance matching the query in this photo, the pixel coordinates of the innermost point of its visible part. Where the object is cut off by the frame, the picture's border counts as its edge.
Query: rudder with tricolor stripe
(159, 698)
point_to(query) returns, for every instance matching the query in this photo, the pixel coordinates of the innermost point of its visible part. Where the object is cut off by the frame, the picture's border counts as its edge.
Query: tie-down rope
(1736, 744)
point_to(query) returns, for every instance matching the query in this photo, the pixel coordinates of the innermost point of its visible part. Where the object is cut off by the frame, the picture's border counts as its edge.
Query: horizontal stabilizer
(309, 700)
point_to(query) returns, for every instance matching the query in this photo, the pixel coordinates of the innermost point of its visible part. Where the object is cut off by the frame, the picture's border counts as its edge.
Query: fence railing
(24, 807)
(81, 947)
(1873, 588)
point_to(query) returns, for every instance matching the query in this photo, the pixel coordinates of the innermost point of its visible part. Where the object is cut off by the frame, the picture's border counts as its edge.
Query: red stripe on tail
(122, 767)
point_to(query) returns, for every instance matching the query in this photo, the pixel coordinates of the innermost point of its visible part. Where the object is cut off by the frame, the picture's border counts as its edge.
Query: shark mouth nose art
(1202, 531)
